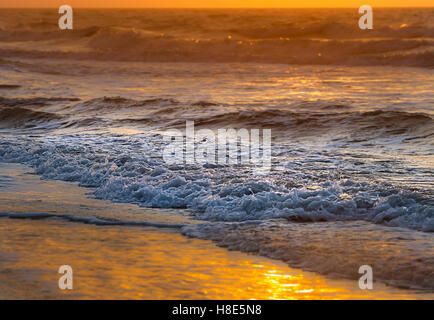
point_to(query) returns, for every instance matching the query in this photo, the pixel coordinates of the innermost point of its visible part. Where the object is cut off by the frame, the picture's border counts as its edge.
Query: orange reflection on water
(137, 263)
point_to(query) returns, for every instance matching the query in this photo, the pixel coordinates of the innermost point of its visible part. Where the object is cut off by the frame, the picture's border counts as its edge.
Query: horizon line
(242, 7)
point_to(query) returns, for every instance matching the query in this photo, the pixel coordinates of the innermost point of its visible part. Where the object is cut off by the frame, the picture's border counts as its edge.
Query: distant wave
(332, 30)
(37, 101)
(296, 118)
(394, 47)
(152, 113)
(370, 120)
(24, 118)
(401, 37)
(42, 30)
(298, 52)
(107, 104)
(9, 86)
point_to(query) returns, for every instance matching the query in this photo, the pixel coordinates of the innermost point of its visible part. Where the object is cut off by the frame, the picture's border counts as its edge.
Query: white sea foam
(223, 193)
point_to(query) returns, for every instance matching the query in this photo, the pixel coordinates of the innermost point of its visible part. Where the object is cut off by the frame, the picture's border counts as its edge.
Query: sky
(215, 3)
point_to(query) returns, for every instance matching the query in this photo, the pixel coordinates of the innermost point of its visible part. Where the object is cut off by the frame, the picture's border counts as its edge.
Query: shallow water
(125, 262)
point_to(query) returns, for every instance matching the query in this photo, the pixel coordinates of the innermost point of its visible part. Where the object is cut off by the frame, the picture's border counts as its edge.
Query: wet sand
(136, 262)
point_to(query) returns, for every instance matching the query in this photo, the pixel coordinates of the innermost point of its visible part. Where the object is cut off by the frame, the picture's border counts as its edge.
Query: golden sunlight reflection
(135, 263)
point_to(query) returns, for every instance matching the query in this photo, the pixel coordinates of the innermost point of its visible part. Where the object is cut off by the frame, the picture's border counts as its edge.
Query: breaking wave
(18, 117)
(223, 193)
(291, 120)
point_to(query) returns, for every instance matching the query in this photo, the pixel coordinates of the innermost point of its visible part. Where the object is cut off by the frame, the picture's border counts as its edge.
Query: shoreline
(124, 262)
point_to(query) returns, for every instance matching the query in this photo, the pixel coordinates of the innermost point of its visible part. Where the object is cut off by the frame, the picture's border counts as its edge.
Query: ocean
(351, 114)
